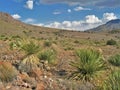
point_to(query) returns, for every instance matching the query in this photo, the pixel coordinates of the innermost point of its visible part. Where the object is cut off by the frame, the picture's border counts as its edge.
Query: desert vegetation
(90, 63)
(7, 72)
(115, 60)
(113, 81)
(48, 63)
(62, 60)
(111, 42)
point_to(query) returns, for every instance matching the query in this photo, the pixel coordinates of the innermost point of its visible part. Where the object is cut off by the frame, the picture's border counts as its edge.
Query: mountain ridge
(108, 26)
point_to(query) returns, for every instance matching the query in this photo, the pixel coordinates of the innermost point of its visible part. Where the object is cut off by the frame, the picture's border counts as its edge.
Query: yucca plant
(30, 48)
(113, 81)
(47, 55)
(7, 72)
(29, 63)
(15, 45)
(90, 64)
(115, 60)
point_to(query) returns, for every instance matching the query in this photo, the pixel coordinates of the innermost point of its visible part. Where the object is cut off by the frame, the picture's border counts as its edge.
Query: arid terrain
(39, 58)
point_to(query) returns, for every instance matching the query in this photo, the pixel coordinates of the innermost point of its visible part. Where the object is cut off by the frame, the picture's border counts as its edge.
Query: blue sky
(65, 14)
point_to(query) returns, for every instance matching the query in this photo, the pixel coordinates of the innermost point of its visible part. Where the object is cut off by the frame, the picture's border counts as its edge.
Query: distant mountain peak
(115, 21)
(109, 26)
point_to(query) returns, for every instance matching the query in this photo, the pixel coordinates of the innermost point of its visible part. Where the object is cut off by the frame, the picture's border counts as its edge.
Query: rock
(23, 80)
(19, 88)
(40, 86)
(8, 87)
(2, 86)
(23, 75)
(36, 73)
(31, 83)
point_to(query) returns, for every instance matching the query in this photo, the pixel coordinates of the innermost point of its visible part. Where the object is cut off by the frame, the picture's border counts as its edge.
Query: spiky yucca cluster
(29, 63)
(48, 55)
(89, 64)
(113, 81)
(30, 48)
(115, 60)
(7, 72)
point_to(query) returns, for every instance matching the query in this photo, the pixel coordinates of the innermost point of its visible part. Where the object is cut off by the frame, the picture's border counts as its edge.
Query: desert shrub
(69, 48)
(29, 63)
(111, 42)
(48, 55)
(114, 31)
(115, 60)
(47, 43)
(76, 41)
(89, 65)
(97, 42)
(30, 48)
(25, 32)
(16, 44)
(113, 81)
(16, 36)
(7, 72)
(3, 37)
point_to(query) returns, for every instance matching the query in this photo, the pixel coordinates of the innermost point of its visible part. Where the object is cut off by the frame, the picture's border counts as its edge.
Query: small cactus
(7, 72)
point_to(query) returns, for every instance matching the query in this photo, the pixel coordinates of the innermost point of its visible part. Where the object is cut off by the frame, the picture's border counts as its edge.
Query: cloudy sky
(65, 14)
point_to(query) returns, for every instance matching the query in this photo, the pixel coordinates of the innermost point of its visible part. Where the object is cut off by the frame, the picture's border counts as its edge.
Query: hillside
(9, 26)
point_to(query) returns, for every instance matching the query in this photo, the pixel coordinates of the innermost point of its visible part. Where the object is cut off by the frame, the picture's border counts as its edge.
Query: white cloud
(54, 25)
(67, 24)
(72, 25)
(81, 8)
(16, 16)
(29, 4)
(29, 20)
(69, 10)
(39, 24)
(56, 12)
(92, 19)
(109, 16)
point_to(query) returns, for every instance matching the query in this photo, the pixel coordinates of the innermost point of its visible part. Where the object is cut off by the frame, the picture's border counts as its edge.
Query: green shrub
(113, 81)
(30, 48)
(115, 60)
(29, 63)
(76, 41)
(15, 37)
(7, 72)
(89, 65)
(48, 55)
(3, 37)
(47, 43)
(69, 48)
(111, 42)
(114, 31)
(15, 44)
